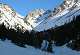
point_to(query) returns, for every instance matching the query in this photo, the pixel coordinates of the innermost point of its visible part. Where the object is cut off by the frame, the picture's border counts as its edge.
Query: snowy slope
(60, 18)
(7, 48)
(39, 19)
(11, 19)
(33, 18)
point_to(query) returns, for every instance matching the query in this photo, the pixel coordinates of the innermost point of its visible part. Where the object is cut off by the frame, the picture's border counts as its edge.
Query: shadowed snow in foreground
(7, 48)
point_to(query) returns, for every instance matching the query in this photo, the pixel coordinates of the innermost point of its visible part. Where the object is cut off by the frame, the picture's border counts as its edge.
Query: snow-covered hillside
(60, 16)
(39, 19)
(32, 18)
(11, 19)
(6, 48)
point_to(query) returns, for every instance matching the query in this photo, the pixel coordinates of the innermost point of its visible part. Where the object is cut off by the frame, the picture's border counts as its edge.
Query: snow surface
(7, 48)
(58, 20)
(41, 21)
(12, 19)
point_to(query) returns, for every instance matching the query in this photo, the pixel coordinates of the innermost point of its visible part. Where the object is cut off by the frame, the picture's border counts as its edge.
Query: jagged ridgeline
(14, 28)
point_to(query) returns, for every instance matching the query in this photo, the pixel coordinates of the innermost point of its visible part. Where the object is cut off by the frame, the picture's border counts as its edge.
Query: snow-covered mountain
(32, 18)
(12, 19)
(39, 19)
(60, 15)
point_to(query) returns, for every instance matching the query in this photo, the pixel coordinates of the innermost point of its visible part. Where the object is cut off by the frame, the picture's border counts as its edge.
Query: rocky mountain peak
(35, 13)
(32, 17)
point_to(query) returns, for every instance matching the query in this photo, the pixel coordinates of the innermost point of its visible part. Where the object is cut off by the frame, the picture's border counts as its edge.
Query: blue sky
(25, 6)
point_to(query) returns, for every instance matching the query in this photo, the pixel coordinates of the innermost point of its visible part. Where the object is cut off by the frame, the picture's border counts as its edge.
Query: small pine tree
(49, 48)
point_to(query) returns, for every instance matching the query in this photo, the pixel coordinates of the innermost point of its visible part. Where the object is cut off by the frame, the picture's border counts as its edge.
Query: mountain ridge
(11, 19)
(39, 17)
